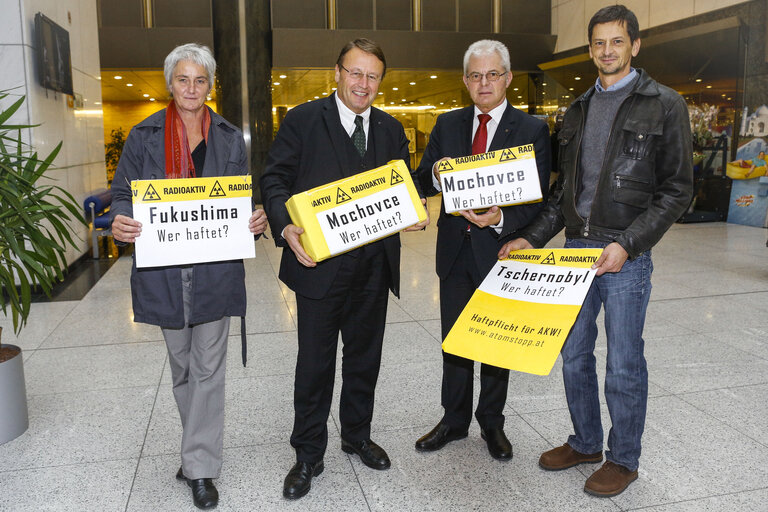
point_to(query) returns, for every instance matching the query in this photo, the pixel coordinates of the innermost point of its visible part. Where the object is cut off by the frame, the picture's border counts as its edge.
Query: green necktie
(358, 136)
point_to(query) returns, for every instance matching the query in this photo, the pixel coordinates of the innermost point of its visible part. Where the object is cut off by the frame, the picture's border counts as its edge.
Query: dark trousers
(356, 306)
(458, 373)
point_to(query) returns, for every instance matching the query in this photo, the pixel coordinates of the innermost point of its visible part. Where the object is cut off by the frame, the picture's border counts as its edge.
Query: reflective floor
(104, 432)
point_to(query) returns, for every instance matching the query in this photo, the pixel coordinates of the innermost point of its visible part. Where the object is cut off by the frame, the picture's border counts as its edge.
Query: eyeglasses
(491, 76)
(357, 75)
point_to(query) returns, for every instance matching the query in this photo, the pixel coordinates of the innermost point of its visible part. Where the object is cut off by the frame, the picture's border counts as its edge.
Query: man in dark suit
(320, 142)
(467, 245)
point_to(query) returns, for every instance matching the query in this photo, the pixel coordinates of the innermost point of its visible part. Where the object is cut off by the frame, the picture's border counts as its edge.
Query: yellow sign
(496, 178)
(192, 220)
(524, 309)
(354, 211)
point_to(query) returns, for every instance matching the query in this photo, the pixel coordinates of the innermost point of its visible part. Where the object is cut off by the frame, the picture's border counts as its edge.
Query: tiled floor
(104, 431)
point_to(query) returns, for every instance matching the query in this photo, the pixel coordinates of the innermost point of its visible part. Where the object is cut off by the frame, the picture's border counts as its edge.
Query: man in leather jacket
(625, 176)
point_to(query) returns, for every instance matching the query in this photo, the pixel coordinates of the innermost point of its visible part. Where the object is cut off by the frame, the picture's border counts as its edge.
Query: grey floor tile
(696, 363)
(688, 454)
(408, 341)
(265, 317)
(747, 500)
(97, 487)
(463, 476)
(91, 368)
(259, 410)
(251, 479)
(81, 427)
(744, 408)
(44, 318)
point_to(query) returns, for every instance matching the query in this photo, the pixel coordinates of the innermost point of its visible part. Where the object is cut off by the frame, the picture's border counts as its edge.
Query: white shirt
(490, 127)
(347, 118)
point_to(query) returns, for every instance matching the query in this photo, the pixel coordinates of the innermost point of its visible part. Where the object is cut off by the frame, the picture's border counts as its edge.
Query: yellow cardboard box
(496, 178)
(354, 211)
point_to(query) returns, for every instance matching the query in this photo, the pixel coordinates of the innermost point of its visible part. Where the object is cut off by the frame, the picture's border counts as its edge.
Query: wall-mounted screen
(53, 58)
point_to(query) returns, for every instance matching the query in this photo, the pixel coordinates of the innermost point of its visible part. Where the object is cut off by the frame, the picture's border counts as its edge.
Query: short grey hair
(197, 53)
(487, 47)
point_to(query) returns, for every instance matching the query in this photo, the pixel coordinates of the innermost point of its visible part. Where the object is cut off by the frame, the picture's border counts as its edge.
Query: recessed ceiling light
(391, 102)
(441, 102)
(432, 76)
(333, 88)
(381, 93)
(570, 88)
(545, 83)
(698, 80)
(325, 94)
(146, 95)
(709, 87)
(514, 89)
(577, 78)
(118, 77)
(724, 95)
(411, 83)
(97, 103)
(729, 99)
(394, 89)
(151, 99)
(402, 99)
(317, 97)
(519, 96)
(129, 85)
(283, 76)
(275, 83)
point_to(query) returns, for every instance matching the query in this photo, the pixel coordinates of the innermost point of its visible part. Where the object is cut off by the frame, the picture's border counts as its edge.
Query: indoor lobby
(104, 428)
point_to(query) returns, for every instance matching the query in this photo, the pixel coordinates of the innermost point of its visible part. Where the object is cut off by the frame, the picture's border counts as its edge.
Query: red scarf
(178, 157)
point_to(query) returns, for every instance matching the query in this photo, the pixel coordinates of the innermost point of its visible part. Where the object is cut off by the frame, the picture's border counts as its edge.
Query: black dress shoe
(299, 479)
(438, 437)
(371, 454)
(498, 445)
(204, 493)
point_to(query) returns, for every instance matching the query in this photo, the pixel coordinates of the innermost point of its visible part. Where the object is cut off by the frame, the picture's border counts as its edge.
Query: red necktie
(480, 141)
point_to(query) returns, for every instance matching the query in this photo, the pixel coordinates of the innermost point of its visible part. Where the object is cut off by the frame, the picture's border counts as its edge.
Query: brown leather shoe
(610, 480)
(564, 457)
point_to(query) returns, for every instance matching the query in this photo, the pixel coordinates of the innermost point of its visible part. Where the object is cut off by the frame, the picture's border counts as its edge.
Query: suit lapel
(376, 134)
(336, 134)
(466, 130)
(504, 131)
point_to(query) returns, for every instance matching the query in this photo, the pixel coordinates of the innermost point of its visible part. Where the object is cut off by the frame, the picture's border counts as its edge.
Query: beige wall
(570, 17)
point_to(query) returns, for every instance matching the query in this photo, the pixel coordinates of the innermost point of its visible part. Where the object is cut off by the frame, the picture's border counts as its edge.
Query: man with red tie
(467, 245)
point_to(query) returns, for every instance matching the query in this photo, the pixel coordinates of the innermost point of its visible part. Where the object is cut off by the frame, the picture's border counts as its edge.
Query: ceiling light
(333, 88)
(97, 103)
(519, 96)
(151, 99)
(325, 94)
(317, 97)
(394, 89)
(129, 85)
(402, 99)
(724, 95)
(432, 76)
(577, 78)
(698, 80)
(545, 83)
(709, 87)
(381, 93)
(118, 77)
(411, 83)
(146, 95)
(729, 99)
(514, 89)
(275, 83)
(570, 88)
(283, 76)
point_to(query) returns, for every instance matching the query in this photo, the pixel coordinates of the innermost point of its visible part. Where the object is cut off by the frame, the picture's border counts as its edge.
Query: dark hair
(367, 46)
(619, 13)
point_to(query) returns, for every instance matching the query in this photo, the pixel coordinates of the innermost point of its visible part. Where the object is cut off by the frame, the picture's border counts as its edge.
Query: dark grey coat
(219, 287)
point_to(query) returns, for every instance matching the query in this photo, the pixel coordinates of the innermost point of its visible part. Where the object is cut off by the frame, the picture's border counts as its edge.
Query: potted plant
(34, 234)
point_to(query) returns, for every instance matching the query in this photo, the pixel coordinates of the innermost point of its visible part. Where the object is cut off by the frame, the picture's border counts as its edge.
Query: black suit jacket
(311, 150)
(452, 137)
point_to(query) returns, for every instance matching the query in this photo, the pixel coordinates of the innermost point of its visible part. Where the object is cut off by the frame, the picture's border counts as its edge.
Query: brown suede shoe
(610, 480)
(564, 457)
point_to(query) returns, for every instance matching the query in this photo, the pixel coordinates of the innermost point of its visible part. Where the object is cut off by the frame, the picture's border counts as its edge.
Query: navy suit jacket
(452, 137)
(311, 150)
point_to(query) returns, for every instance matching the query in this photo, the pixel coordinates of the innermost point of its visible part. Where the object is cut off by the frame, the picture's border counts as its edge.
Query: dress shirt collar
(347, 117)
(618, 85)
(495, 114)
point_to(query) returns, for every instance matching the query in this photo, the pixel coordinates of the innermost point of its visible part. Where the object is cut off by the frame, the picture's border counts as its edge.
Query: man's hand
(489, 218)
(423, 224)
(517, 244)
(611, 260)
(291, 234)
(125, 229)
(434, 168)
(258, 222)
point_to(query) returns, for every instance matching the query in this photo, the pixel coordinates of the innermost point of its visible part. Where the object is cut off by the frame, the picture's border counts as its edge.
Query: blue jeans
(625, 297)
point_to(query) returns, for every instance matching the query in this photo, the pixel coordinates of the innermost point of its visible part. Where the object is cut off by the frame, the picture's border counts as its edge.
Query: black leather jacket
(647, 177)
